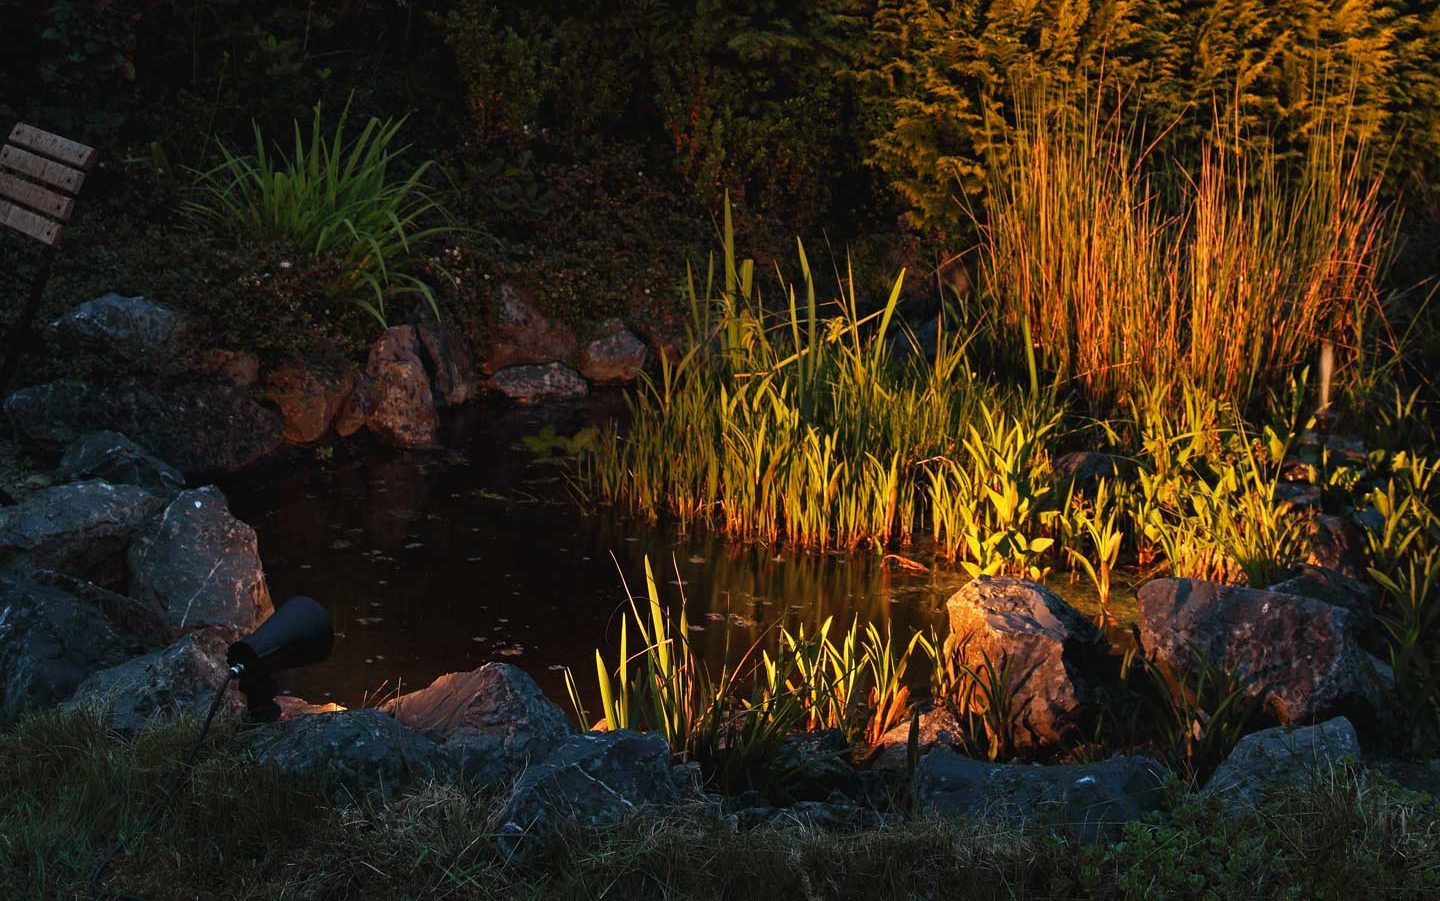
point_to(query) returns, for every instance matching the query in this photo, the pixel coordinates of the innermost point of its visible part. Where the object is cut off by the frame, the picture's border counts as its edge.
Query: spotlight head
(298, 633)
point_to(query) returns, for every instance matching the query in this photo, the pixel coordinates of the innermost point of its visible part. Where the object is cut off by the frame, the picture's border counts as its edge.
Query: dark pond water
(444, 560)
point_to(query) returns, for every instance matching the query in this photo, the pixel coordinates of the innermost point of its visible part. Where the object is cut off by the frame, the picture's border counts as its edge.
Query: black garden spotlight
(298, 633)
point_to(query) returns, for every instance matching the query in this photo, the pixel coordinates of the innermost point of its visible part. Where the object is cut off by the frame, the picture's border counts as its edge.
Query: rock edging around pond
(217, 409)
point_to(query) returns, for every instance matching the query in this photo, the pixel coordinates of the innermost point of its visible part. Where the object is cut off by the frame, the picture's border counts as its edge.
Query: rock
(403, 411)
(1298, 653)
(689, 781)
(113, 458)
(1336, 543)
(937, 727)
(1090, 799)
(811, 766)
(1084, 468)
(240, 368)
(1335, 589)
(196, 427)
(179, 681)
(52, 638)
(593, 779)
(1054, 653)
(532, 384)
(130, 327)
(309, 398)
(201, 565)
(495, 720)
(354, 752)
(1275, 758)
(291, 707)
(523, 335)
(356, 410)
(450, 363)
(1299, 494)
(614, 357)
(81, 529)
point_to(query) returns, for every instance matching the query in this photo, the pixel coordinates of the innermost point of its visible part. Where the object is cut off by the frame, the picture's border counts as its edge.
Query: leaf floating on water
(733, 619)
(339, 544)
(696, 558)
(414, 544)
(369, 620)
(514, 650)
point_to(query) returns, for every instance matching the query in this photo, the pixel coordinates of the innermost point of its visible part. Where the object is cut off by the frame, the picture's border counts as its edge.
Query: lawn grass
(67, 787)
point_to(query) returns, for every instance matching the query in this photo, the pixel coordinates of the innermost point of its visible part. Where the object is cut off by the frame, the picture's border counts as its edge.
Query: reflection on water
(439, 561)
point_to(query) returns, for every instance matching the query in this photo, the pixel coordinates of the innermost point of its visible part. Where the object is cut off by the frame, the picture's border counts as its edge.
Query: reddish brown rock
(1298, 654)
(356, 409)
(403, 412)
(1054, 654)
(523, 335)
(238, 367)
(309, 398)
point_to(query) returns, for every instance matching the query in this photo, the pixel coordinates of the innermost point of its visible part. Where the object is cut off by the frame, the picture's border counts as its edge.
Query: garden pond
(432, 562)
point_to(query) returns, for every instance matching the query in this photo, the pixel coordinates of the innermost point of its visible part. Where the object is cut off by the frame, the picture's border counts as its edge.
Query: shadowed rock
(1281, 758)
(351, 752)
(451, 365)
(1053, 653)
(130, 327)
(591, 780)
(196, 427)
(55, 632)
(1298, 653)
(176, 682)
(494, 720)
(201, 565)
(1090, 799)
(81, 529)
(1334, 588)
(113, 458)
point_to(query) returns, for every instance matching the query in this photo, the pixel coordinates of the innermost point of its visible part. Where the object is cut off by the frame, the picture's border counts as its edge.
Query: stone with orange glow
(1050, 654)
(494, 719)
(309, 397)
(402, 403)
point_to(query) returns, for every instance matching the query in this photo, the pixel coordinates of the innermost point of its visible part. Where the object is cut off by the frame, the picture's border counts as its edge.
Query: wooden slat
(71, 153)
(42, 200)
(48, 171)
(28, 223)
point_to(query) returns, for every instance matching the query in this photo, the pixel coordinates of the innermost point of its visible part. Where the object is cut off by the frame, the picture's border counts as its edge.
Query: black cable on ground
(98, 877)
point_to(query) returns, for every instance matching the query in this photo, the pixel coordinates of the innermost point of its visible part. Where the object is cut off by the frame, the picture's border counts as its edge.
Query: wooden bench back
(40, 174)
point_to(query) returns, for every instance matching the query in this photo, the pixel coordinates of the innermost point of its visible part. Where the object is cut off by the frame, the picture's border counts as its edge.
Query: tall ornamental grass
(336, 197)
(1129, 272)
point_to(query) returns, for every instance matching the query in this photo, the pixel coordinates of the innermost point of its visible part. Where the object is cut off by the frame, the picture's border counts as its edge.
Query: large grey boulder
(113, 458)
(1298, 653)
(352, 752)
(812, 766)
(201, 565)
(81, 529)
(614, 356)
(523, 335)
(176, 682)
(55, 632)
(1089, 798)
(494, 720)
(1054, 654)
(592, 780)
(130, 327)
(195, 426)
(535, 384)
(402, 403)
(1271, 759)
